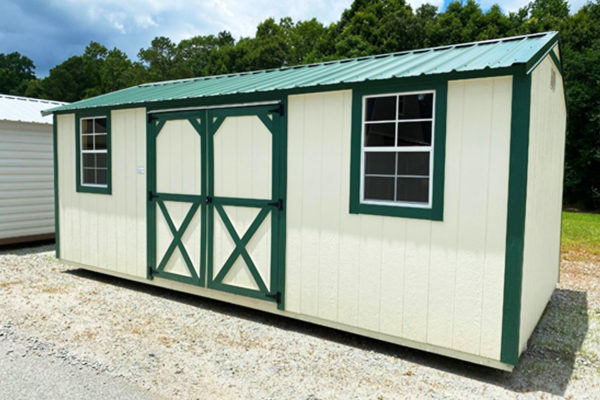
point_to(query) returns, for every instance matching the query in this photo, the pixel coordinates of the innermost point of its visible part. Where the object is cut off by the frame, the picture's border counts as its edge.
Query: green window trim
(103, 113)
(436, 209)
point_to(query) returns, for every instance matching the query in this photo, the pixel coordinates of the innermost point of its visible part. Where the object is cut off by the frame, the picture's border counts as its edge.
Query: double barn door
(215, 199)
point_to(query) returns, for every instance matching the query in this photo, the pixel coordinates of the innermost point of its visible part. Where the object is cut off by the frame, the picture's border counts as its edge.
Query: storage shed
(412, 197)
(26, 178)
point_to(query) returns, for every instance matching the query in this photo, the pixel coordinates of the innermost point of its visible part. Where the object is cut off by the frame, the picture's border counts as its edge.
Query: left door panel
(176, 198)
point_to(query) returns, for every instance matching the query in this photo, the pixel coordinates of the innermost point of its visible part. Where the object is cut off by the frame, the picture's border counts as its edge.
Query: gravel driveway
(156, 342)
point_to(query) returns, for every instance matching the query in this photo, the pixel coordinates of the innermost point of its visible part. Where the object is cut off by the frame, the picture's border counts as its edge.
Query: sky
(50, 31)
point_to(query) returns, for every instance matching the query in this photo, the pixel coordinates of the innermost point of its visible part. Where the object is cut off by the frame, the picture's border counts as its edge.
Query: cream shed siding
(26, 180)
(541, 258)
(439, 283)
(106, 231)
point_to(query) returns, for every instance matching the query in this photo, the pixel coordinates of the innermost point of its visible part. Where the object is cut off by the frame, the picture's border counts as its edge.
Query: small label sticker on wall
(140, 170)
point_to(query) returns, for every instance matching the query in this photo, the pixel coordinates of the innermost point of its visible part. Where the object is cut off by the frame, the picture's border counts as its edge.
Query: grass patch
(580, 234)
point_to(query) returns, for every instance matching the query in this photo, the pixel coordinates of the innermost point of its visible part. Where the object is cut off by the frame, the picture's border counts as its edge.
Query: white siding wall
(26, 180)
(541, 256)
(106, 231)
(434, 282)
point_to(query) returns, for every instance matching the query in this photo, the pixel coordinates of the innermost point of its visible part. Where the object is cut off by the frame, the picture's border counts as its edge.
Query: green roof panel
(487, 55)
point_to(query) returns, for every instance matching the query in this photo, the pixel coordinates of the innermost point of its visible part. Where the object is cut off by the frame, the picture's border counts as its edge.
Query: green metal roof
(489, 55)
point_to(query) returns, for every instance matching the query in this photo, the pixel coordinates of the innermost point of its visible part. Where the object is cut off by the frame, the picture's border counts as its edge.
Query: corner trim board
(515, 224)
(56, 197)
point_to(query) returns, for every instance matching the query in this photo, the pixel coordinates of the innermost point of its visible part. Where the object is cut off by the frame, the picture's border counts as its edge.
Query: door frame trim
(280, 174)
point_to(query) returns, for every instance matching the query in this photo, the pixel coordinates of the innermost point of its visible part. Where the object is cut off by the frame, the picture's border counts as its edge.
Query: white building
(26, 170)
(412, 197)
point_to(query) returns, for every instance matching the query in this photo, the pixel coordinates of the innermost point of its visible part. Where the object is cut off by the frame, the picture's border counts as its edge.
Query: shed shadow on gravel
(546, 366)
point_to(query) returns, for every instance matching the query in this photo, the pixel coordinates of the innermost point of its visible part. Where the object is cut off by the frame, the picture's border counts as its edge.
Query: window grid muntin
(397, 149)
(83, 151)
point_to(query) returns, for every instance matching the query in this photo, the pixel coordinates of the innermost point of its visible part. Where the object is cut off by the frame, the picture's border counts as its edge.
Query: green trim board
(556, 62)
(436, 211)
(56, 195)
(92, 189)
(515, 225)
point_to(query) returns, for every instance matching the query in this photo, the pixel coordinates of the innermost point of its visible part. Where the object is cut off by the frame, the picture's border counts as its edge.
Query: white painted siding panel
(106, 231)
(26, 180)
(434, 282)
(541, 256)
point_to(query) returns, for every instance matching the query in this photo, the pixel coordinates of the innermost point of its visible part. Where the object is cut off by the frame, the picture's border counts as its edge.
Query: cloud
(49, 31)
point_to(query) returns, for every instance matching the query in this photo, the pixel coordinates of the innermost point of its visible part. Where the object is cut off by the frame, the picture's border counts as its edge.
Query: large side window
(397, 149)
(395, 164)
(93, 154)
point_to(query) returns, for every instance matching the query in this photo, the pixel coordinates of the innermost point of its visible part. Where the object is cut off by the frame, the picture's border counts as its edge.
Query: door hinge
(276, 296)
(150, 118)
(278, 110)
(278, 204)
(151, 196)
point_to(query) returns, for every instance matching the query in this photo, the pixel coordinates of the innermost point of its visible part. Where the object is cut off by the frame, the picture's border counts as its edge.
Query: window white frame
(82, 151)
(396, 149)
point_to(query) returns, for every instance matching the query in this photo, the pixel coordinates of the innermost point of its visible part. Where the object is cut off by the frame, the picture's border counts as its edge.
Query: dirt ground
(178, 346)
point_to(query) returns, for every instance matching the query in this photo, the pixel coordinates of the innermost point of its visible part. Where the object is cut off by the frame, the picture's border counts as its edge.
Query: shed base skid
(272, 308)
(26, 239)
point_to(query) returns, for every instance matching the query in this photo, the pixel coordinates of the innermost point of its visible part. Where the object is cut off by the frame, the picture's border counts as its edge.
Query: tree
(16, 71)
(160, 59)
(580, 36)
(193, 55)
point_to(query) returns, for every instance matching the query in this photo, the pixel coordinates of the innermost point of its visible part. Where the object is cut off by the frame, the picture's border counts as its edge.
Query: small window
(397, 149)
(93, 163)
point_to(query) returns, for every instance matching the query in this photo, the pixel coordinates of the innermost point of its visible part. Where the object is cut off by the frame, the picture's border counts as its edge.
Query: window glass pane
(413, 163)
(379, 134)
(379, 188)
(100, 141)
(87, 126)
(101, 176)
(101, 160)
(412, 189)
(89, 160)
(415, 106)
(87, 142)
(89, 176)
(414, 134)
(100, 125)
(380, 163)
(381, 109)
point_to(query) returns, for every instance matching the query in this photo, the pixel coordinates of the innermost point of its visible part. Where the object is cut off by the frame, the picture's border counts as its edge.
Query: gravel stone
(178, 346)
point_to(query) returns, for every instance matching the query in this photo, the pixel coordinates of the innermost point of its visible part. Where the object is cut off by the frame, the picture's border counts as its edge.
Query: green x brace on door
(216, 184)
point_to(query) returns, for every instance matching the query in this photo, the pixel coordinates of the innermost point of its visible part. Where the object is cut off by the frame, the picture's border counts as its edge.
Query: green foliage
(367, 27)
(581, 54)
(16, 71)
